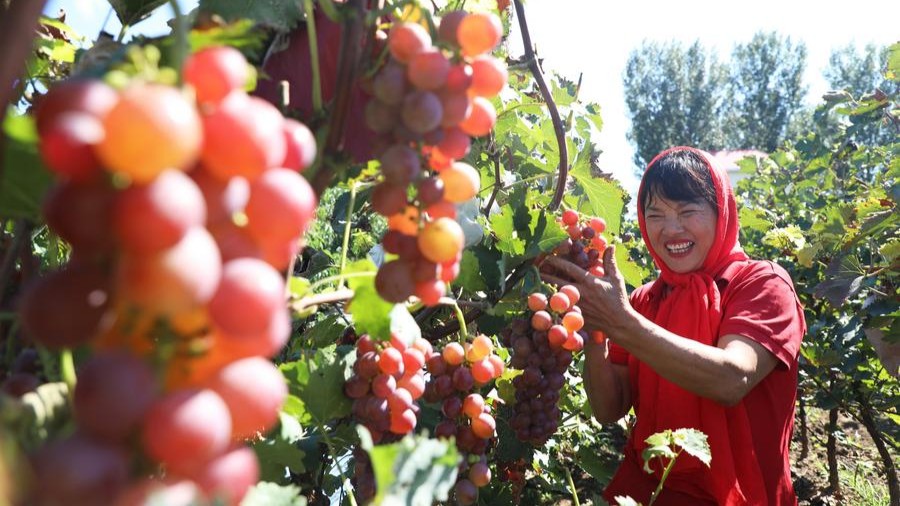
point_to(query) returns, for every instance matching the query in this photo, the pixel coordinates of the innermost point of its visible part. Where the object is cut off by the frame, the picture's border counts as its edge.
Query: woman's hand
(604, 299)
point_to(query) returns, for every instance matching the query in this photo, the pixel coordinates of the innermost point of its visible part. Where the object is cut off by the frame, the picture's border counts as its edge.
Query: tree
(765, 91)
(861, 74)
(674, 96)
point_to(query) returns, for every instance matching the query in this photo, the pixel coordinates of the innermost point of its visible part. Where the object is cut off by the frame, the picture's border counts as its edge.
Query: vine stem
(329, 279)
(313, 55)
(461, 318)
(181, 42)
(663, 479)
(551, 106)
(498, 184)
(346, 242)
(572, 486)
(341, 295)
(330, 445)
(67, 370)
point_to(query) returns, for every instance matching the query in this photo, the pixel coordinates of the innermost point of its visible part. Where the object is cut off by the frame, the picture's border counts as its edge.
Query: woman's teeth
(681, 247)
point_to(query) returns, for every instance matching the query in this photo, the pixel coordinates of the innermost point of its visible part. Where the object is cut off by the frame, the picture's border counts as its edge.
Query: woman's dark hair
(680, 175)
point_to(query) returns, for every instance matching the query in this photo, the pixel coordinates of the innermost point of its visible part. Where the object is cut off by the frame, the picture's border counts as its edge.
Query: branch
(498, 185)
(452, 326)
(551, 106)
(304, 303)
(348, 61)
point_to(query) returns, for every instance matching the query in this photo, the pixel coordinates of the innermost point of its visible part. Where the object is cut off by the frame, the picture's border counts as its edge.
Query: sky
(595, 38)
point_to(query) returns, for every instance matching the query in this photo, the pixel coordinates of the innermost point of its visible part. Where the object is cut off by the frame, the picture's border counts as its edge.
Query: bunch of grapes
(181, 206)
(387, 380)
(542, 349)
(456, 375)
(586, 244)
(428, 101)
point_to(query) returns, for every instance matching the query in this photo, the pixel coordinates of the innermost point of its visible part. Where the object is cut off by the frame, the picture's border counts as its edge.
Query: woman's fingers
(572, 271)
(553, 280)
(610, 266)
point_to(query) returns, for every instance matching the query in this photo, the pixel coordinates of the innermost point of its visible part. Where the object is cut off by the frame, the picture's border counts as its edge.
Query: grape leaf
(281, 15)
(23, 180)
(470, 276)
(318, 382)
(416, 471)
(694, 442)
(272, 494)
(503, 225)
(371, 313)
(604, 198)
(131, 12)
(279, 450)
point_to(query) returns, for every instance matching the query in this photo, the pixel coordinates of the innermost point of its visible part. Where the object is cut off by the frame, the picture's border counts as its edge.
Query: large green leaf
(24, 180)
(271, 494)
(131, 12)
(605, 198)
(317, 381)
(280, 450)
(281, 15)
(415, 471)
(371, 314)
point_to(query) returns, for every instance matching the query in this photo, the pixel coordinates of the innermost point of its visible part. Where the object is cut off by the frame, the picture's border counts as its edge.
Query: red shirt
(758, 302)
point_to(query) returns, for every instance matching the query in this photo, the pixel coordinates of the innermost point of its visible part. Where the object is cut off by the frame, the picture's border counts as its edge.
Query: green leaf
(633, 273)
(504, 228)
(470, 276)
(324, 332)
(281, 15)
(659, 446)
(131, 12)
(591, 461)
(272, 494)
(543, 235)
(694, 442)
(280, 451)
(754, 219)
(371, 313)
(240, 35)
(24, 180)
(415, 471)
(318, 382)
(605, 198)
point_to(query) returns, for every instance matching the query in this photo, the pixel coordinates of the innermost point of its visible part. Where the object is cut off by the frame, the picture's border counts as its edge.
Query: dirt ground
(861, 472)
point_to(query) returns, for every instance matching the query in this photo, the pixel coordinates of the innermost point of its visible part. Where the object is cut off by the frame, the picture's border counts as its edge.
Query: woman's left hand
(604, 299)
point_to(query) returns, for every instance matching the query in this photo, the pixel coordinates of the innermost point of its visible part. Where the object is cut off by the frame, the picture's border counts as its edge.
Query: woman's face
(681, 232)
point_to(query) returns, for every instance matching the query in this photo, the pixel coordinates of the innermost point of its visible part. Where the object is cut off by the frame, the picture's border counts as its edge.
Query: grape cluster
(584, 247)
(181, 207)
(428, 100)
(387, 380)
(456, 373)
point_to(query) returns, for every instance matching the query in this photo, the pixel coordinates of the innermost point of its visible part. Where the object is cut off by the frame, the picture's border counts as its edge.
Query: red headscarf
(689, 305)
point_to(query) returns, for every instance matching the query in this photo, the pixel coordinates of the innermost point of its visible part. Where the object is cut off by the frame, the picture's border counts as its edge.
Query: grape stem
(346, 241)
(494, 153)
(313, 55)
(509, 282)
(340, 295)
(67, 370)
(181, 42)
(572, 486)
(551, 107)
(461, 318)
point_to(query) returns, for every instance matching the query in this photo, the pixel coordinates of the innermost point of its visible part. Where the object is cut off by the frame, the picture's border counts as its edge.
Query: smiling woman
(711, 344)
